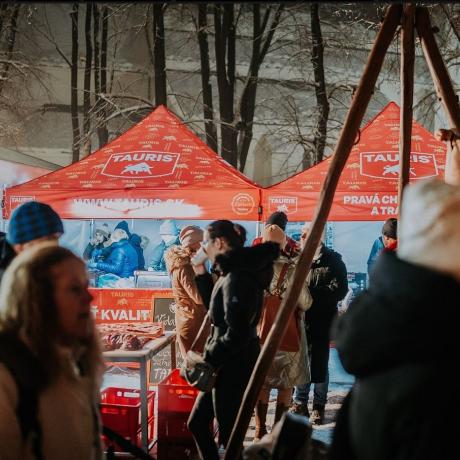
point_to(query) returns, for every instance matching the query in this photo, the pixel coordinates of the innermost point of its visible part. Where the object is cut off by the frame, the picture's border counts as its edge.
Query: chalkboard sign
(164, 310)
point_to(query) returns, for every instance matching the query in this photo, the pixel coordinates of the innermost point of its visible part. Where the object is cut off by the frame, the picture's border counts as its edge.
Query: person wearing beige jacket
(289, 368)
(49, 391)
(190, 311)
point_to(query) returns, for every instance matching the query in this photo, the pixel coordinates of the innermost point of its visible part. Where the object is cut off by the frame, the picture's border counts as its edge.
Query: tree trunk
(97, 86)
(322, 104)
(3, 9)
(102, 132)
(208, 111)
(159, 54)
(225, 66)
(87, 82)
(10, 42)
(248, 96)
(74, 85)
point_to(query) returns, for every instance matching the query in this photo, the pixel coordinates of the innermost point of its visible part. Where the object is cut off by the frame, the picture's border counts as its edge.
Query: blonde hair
(28, 311)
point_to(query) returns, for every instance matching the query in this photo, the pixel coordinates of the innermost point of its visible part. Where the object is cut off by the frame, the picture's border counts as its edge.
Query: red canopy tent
(368, 186)
(157, 169)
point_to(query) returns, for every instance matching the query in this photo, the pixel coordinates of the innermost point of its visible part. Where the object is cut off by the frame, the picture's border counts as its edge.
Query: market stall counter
(143, 357)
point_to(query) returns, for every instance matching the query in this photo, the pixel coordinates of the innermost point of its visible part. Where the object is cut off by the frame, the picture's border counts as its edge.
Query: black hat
(390, 228)
(278, 218)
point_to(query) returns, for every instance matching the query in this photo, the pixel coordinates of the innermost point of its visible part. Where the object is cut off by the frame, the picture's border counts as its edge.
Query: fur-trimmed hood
(257, 260)
(176, 257)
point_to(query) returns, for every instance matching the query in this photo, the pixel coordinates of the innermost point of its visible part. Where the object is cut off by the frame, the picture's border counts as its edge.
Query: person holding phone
(234, 304)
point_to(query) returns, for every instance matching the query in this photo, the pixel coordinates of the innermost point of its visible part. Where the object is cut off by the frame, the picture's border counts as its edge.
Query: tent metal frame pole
(344, 145)
(407, 97)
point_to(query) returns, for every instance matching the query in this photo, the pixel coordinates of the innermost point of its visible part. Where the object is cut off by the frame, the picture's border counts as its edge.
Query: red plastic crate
(175, 394)
(175, 401)
(120, 411)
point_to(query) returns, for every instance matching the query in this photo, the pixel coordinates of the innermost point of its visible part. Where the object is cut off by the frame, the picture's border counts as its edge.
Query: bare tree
(225, 41)
(10, 38)
(102, 132)
(208, 111)
(159, 55)
(87, 81)
(322, 103)
(260, 48)
(74, 85)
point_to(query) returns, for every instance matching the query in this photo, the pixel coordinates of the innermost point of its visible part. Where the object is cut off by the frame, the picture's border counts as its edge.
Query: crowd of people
(397, 338)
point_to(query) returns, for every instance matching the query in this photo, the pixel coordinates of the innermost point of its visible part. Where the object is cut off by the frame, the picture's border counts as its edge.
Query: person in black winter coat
(399, 338)
(234, 303)
(328, 284)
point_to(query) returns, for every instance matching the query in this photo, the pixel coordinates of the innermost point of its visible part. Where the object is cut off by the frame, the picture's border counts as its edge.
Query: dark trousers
(223, 403)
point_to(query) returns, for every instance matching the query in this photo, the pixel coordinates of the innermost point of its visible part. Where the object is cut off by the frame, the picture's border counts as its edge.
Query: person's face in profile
(73, 300)
(99, 237)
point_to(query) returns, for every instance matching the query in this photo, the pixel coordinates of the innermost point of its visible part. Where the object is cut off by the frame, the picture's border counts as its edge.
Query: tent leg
(407, 97)
(345, 143)
(444, 89)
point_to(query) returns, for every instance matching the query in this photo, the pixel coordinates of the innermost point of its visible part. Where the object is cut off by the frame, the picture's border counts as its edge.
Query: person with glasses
(234, 303)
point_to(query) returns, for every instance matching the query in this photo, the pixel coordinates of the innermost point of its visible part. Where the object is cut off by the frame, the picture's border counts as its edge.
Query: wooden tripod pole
(444, 89)
(344, 145)
(407, 96)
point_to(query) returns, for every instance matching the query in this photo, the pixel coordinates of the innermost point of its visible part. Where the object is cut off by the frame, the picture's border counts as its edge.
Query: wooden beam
(407, 96)
(444, 90)
(345, 143)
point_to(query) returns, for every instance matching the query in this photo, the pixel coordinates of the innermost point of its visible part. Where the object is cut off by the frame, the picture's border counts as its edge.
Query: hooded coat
(236, 300)
(400, 339)
(190, 311)
(235, 304)
(328, 284)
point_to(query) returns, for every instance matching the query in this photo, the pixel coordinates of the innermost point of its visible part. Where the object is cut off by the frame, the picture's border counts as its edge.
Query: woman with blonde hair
(190, 311)
(49, 389)
(289, 368)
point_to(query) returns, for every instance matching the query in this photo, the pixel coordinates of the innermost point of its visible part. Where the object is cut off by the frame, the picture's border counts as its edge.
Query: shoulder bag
(271, 305)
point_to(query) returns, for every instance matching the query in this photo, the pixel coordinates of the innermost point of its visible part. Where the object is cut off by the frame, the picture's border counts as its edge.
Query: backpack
(30, 379)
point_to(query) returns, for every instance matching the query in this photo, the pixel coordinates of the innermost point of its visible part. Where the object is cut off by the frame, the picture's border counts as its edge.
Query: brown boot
(280, 410)
(261, 418)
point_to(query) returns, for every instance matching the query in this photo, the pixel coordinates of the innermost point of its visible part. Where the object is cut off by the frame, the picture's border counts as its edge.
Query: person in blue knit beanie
(31, 223)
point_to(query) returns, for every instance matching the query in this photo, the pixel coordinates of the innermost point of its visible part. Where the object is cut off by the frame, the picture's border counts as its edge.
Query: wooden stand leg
(340, 156)
(407, 96)
(444, 89)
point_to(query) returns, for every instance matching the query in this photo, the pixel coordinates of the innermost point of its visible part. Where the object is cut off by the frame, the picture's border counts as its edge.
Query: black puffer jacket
(236, 300)
(400, 339)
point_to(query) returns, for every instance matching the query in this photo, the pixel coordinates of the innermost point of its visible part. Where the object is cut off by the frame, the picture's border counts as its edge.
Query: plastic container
(175, 401)
(121, 411)
(175, 394)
